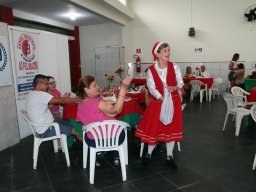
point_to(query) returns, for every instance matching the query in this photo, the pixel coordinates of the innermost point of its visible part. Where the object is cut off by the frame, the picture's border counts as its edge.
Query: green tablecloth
(249, 84)
(132, 119)
(78, 128)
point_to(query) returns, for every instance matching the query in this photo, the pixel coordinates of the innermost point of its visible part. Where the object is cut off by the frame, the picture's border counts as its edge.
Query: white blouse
(162, 74)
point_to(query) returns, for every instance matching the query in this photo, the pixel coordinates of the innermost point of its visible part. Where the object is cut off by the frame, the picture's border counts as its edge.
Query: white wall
(9, 132)
(94, 36)
(53, 59)
(220, 28)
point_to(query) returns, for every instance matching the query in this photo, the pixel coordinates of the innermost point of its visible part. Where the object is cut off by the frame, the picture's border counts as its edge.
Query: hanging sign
(25, 46)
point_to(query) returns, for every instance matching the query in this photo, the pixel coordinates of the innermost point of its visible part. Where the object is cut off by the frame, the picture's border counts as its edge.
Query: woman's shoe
(146, 159)
(170, 162)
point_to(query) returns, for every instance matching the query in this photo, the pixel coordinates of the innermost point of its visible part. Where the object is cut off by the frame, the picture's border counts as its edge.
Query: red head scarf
(155, 49)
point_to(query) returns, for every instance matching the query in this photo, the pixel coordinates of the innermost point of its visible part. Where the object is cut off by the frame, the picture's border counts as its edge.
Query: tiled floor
(210, 161)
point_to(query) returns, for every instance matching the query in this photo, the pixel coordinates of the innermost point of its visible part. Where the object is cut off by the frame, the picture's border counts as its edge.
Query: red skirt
(151, 130)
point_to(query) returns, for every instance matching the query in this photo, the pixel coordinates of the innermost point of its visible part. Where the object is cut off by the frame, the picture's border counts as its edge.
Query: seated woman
(55, 109)
(239, 76)
(189, 72)
(92, 109)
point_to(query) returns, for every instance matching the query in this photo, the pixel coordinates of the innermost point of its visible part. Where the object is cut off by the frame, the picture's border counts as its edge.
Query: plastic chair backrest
(240, 93)
(24, 114)
(216, 83)
(231, 101)
(253, 112)
(196, 85)
(106, 132)
(33, 126)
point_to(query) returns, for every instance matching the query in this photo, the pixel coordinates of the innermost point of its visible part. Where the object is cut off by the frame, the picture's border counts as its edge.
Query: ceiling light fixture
(72, 15)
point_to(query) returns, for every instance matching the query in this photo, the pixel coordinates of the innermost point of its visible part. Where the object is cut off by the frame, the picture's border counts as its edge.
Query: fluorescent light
(72, 15)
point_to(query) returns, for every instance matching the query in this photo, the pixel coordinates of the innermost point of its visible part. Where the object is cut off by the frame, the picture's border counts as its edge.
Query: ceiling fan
(250, 13)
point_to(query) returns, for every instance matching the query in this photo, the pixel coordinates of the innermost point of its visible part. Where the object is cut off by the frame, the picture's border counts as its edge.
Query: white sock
(150, 149)
(169, 148)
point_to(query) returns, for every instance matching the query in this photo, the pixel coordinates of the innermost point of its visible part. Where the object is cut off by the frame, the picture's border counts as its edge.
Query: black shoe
(170, 162)
(146, 159)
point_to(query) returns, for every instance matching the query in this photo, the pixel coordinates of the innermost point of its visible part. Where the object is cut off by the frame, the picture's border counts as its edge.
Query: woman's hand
(172, 88)
(126, 82)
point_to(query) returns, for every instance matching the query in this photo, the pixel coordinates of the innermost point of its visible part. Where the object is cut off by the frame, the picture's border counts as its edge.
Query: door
(107, 61)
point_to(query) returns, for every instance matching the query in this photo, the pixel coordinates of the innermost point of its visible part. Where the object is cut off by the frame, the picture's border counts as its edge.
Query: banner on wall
(5, 64)
(25, 46)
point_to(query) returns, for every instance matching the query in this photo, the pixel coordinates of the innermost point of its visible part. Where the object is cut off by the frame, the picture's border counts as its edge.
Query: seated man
(203, 72)
(37, 104)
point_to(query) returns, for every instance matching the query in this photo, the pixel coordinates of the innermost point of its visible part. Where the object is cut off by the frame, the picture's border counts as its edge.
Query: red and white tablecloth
(70, 110)
(252, 96)
(139, 81)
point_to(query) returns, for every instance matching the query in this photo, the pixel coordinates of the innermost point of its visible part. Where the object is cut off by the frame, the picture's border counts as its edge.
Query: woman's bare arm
(113, 110)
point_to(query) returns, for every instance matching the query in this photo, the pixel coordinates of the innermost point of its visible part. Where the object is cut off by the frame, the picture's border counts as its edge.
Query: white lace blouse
(162, 74)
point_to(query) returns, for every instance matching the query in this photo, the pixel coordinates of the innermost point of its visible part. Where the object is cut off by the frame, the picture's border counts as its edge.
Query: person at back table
(189, 72)
(239, 76)
(91, 109)
(233, 67)
(37, 105)
(203, 72)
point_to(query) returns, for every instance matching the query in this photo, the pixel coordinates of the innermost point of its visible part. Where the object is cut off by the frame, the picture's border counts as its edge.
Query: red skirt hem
(151, 130)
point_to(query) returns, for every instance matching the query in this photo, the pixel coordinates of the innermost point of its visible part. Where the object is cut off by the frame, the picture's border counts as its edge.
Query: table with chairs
(238, 105)
(130, 114)
(249, 98)
(199, 85)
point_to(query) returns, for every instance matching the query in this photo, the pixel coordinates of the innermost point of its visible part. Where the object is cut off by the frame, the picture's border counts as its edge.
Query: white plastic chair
(178, 143)
(107, 134)
(238, 112)
(253, 114)
(196, 87)
(241, 95)
(215, 88)
(38, 140)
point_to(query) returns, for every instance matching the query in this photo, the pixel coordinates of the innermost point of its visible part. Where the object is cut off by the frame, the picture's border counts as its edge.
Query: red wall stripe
(75, 61)
(6, 15)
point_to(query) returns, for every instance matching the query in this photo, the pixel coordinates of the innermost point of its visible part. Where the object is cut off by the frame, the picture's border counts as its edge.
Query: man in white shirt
(203, 72)
(37, 104)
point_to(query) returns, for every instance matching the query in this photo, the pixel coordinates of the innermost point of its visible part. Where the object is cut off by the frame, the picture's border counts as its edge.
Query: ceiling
(56, 10)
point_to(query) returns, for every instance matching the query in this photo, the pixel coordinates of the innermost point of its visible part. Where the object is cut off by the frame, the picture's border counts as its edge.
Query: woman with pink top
(92, 109)
(55, 109)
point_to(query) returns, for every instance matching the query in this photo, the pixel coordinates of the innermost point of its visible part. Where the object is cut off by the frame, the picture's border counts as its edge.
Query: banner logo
(27, 46)
(3, 57)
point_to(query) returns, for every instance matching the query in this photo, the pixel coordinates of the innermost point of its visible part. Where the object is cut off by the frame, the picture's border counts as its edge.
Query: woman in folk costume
(163, 77)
